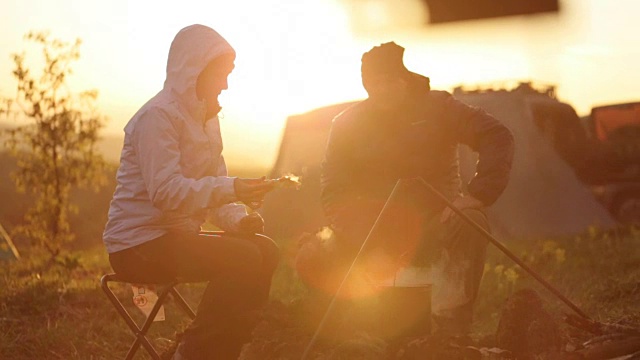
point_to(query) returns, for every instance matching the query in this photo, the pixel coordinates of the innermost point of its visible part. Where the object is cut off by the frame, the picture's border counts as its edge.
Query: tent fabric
(544, 196)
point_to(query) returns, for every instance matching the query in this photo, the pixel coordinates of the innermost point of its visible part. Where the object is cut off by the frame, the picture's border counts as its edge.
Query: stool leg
(177, 297)
(141, 333)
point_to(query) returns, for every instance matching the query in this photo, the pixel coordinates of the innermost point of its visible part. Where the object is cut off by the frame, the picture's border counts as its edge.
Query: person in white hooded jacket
(172, 178)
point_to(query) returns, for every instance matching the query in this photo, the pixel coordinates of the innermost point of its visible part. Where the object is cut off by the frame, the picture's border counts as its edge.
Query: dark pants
(238, 268)
(455, 252)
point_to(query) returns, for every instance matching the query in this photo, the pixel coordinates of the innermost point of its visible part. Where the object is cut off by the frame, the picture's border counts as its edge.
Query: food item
(287, 181)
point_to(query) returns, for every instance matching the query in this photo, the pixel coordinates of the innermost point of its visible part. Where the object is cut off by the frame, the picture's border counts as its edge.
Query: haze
(294, 56)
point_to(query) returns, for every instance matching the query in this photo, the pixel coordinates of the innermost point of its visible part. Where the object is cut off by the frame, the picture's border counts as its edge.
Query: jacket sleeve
(156, 143)
(227, 217)
(492, 141)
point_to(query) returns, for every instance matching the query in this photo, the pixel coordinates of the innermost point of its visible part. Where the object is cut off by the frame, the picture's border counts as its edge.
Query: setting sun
(315, 179)
(307, 58)
(293, 56)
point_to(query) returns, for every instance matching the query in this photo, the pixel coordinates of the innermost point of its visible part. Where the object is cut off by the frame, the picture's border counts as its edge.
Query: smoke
(448, 289)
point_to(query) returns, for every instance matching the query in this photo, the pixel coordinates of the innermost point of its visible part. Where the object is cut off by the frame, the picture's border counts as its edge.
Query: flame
(292, 177)
(289, 180)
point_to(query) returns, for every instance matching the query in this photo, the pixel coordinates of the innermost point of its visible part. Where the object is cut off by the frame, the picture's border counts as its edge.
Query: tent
(544, 196)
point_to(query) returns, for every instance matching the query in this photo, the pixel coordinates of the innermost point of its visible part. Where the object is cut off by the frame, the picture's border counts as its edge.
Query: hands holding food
(252, 191)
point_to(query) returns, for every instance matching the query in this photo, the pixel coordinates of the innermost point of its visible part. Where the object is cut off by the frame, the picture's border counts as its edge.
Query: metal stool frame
(164, 289)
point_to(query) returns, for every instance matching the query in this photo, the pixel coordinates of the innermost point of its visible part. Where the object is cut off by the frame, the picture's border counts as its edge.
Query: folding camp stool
(164, 290)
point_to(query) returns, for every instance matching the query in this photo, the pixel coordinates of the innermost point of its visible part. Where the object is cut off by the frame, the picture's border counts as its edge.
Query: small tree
(55, 147)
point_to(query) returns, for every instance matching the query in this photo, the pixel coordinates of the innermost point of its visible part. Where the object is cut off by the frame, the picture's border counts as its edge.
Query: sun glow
(296, 55)
(292, 56)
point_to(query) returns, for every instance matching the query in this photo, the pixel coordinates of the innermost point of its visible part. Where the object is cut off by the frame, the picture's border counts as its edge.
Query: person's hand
(461, 203)
(252, 223)
(252, 191)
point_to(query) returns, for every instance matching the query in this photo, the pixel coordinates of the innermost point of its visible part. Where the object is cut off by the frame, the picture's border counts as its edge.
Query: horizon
(586, 50)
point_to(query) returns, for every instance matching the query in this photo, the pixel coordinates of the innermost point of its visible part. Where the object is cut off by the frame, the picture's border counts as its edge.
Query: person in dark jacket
(405, 130)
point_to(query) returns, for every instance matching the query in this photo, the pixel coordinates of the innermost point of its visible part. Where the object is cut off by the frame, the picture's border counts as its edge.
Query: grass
(62, 313)
(597, 271)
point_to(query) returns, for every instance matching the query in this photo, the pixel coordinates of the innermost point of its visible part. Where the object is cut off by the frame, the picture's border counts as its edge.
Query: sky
(296, 55)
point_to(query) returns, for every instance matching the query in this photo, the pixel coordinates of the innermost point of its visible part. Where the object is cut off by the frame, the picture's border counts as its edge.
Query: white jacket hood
(191, 50)
(172, 175)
